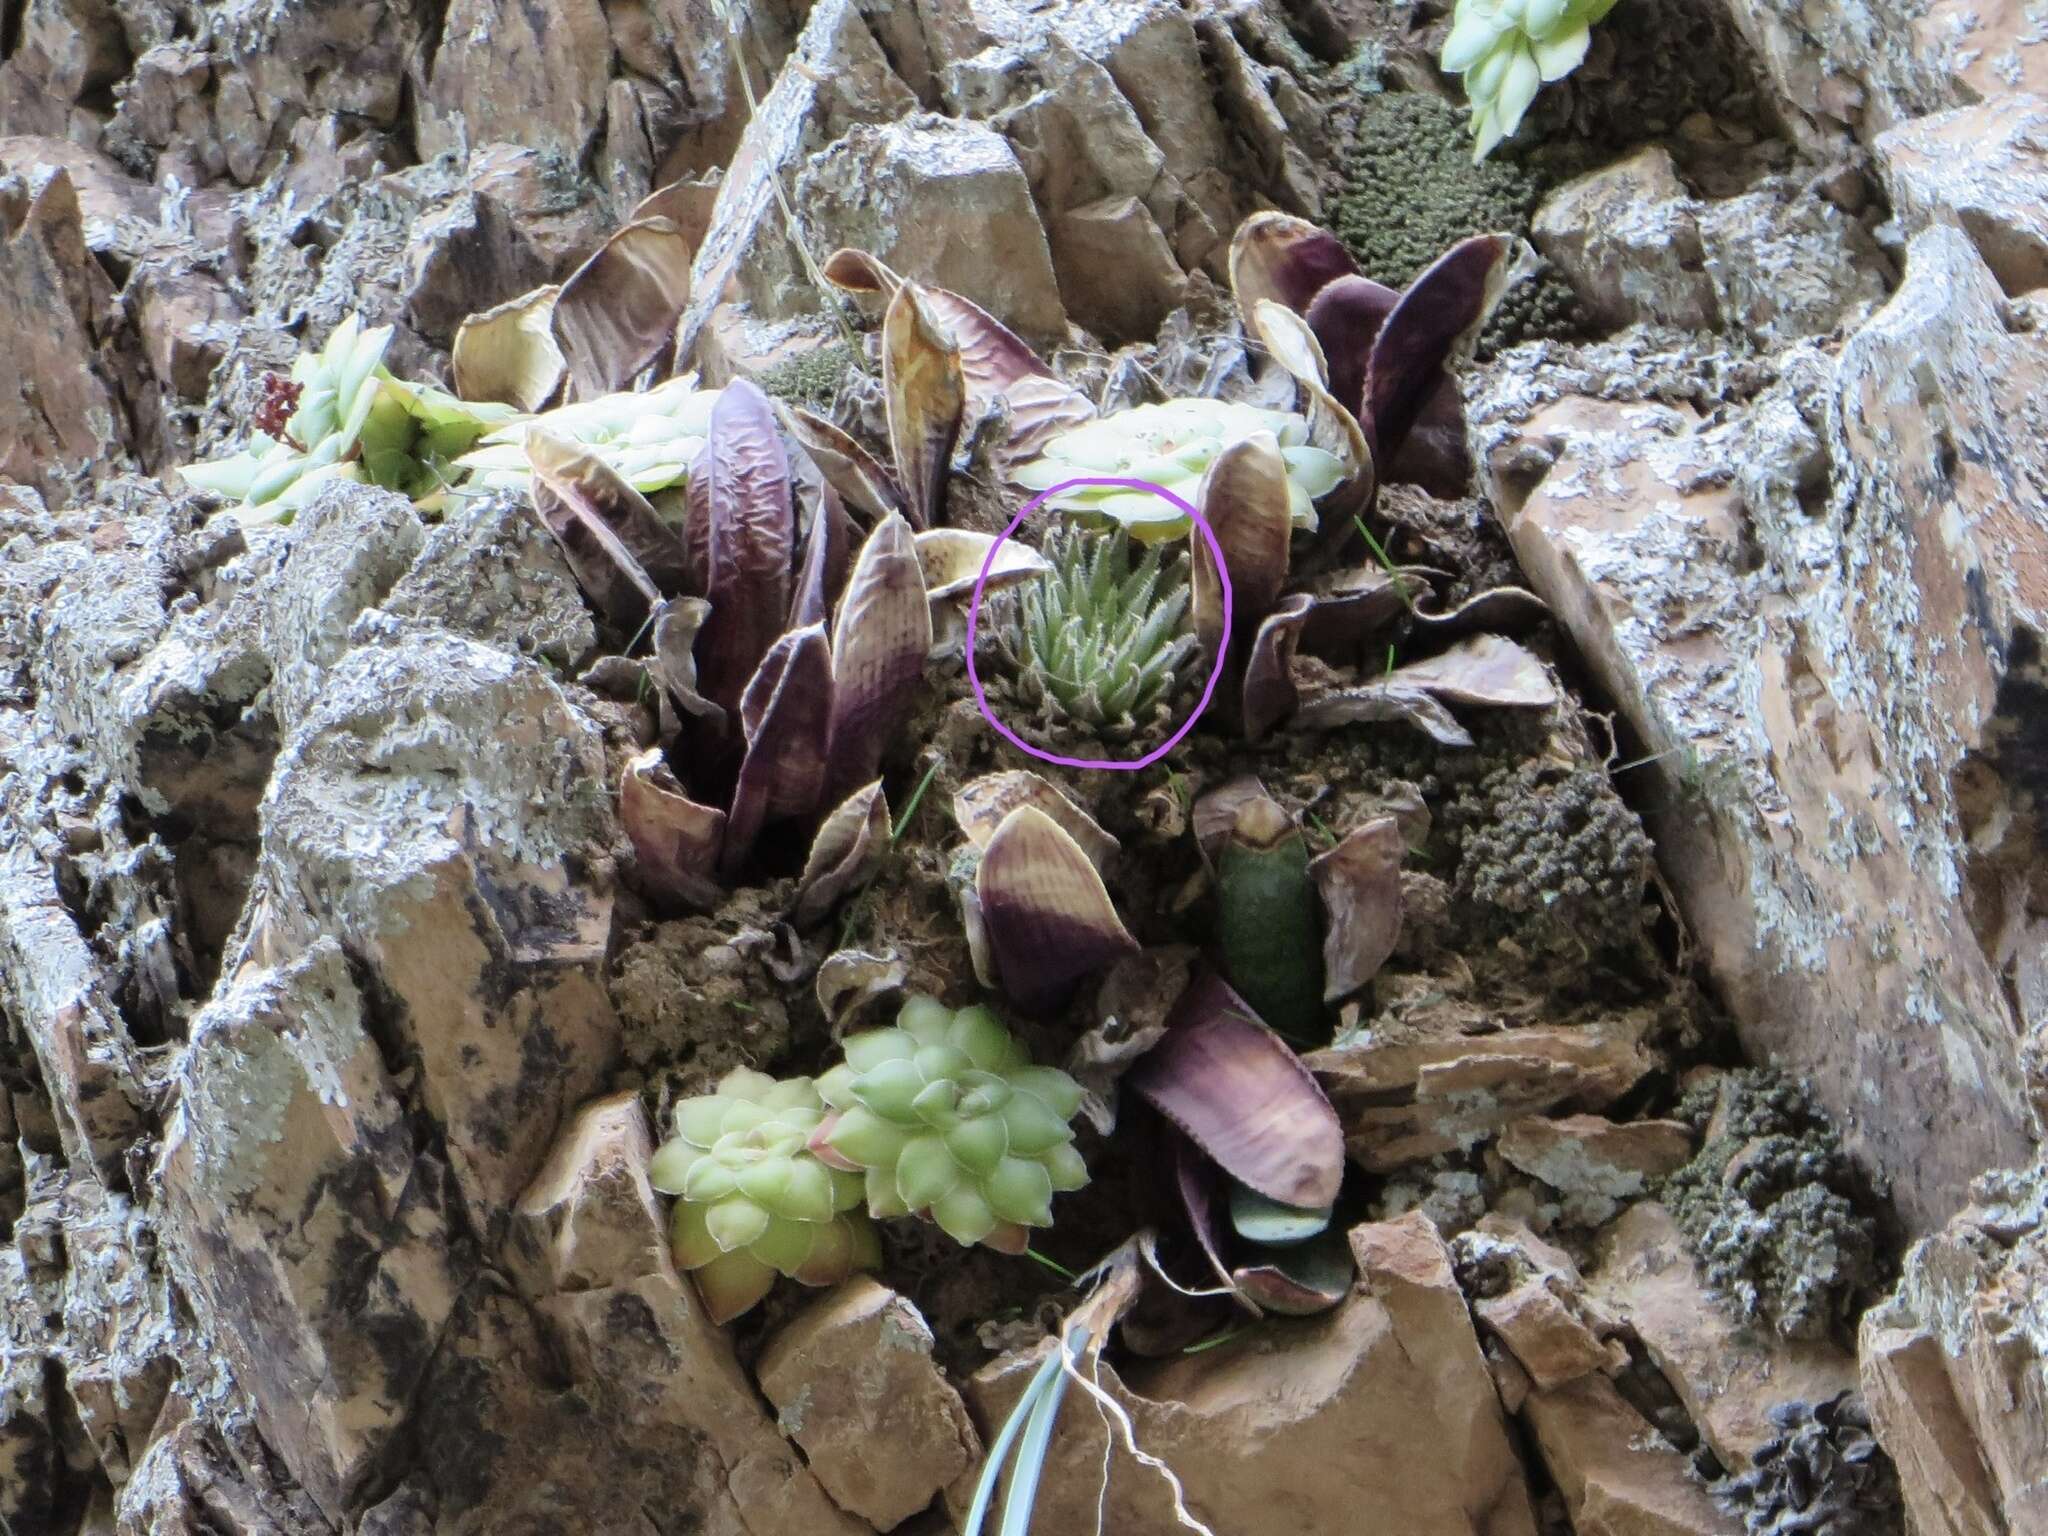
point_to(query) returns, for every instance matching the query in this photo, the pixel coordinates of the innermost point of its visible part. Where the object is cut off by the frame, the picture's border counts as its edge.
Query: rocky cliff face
(332, 1017)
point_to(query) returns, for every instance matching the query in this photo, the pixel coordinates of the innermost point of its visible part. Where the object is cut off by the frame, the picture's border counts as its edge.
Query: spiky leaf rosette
(1101, 640)
(947, 1118)
(1172, 445)
(754, 1202)
(1507, 50)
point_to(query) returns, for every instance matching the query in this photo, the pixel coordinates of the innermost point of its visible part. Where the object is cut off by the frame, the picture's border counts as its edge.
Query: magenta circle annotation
(980, 586)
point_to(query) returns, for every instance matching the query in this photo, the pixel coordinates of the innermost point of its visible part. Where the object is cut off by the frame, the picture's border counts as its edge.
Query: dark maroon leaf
(880, 639)
(828, 554)
(1301, 1281)
(1048, 918)
(1201, 1197)
(1436, 454)
(1288, 260)
(1346, 318)
(1439, 312)
(626, 559)
(1360, 883)
(783, 718)
(1243, 498)
(740, 539)
(1244, 1098)
(675, 840)
(1355, 604)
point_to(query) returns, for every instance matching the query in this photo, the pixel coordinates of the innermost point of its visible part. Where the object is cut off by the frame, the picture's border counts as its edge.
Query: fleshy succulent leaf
(1244, 1098)
(740, 540)
(783, 715)
(1267, 919)
(1272, 1224)
(880, 639)
(1049, 918)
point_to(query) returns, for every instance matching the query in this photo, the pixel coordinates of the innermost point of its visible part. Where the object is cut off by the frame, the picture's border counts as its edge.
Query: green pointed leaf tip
(754, 1202)
(1101, 639)
(950, 1120)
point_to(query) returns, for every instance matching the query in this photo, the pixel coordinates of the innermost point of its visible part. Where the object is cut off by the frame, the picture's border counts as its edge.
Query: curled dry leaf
(1279, 258)
(1352, 605)
(1270, 695)
(994, 361)
(1216, 813)
(1498, 611)
(782, 716)
(880, 639)
(1303, 1280)
(740, 539)
(509, 353)
(851, 980)
(676, 841)
(844, 855)
(1244, 500)
(1484, 669)
(1200, 1188)
(926, 398)
(1131, 1008)
(672, 633)
(1360, 884)
(1372, 703)
(626, 559)
(981, 805)
(1049, 919)
(858, 476)
(1244, 1098)
(952, 559)
(618, 310)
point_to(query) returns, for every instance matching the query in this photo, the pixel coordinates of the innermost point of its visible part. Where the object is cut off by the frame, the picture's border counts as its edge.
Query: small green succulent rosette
(353, 421)
(1507, 50)
(752, 1201)
(649, 438)
(1172, 445)
(946, 1117)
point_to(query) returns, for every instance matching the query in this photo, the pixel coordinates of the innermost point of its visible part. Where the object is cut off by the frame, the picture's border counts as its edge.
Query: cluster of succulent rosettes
(753, 1201)
(1507, 50)
(1098, 640)
(944, 1116)
(1773, 1206)
(349, 418)
(1821, 1474)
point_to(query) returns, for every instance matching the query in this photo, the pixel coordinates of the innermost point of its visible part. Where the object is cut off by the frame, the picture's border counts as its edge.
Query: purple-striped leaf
(828, 556)
(861, 479)
(880, 639)
(783, 717)
(740, 539)
(1242, 1096)
(625, 558)
(1048, 918)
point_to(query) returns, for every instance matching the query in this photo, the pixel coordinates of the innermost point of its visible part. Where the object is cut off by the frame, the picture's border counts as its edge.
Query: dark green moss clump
(1773, 1206)
(1550, 858)
(812, 380)
(1411, 190)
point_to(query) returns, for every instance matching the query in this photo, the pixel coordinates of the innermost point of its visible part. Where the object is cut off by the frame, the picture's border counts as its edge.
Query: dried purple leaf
(926, 398)
(1346, 318)
(1244, 1098)
(981, 805)
(828, 555)
(1270, 695)
(858, 476)
(676, 841)
(1285, 260)
(740, 539)
(509, 354)
(844, 855)
(1360, 884)
(1380, 701)
(783, 717)
(626, 559)
(1243, 498)
(1301, 1281)
(1498, 611)
(952, 559)
(618, 310)
(880, 639)
(1049, 920)
(1487, 670)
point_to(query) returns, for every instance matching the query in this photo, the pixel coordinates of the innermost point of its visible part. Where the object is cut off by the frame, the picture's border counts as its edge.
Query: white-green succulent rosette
(1172, 445)
(353, 420)
(1507, 50)
(649, 438)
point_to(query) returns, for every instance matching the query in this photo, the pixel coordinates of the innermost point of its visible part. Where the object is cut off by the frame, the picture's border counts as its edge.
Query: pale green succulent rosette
(354, 421)
(948, 1119)
(1507, 50)
(753, 1202)
(1172, 445)
(649, 438)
